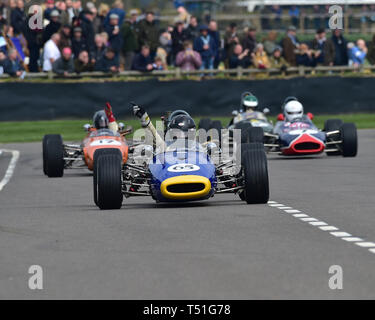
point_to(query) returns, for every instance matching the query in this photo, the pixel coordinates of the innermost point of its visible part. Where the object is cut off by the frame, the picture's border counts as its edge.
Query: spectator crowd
(77, 38)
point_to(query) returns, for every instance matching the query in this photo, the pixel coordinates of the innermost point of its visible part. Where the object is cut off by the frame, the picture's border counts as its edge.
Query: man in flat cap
(53, 26)
(113, 31)
(290, 44)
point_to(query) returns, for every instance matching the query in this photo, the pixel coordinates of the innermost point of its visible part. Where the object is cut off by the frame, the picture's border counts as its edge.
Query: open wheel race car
(180, 174)
(302, 137)
(58, 155)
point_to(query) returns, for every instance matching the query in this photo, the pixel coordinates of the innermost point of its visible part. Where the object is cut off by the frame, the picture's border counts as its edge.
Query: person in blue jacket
(357, 54)
(117, 8)
(205, 45)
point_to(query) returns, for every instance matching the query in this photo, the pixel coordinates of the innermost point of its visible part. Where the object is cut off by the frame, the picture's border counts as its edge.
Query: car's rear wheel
(205, 123)
(255, 174)
(255, 134)
(333, 125)
(215, 131)
(53, 155)
(244, 127)
(348, 133)
(108, 181)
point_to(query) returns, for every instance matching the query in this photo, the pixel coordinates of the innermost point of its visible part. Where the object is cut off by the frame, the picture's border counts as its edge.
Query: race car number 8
(183, 167)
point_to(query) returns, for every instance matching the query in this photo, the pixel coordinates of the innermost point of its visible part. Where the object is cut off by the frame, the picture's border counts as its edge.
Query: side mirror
(310, 115)
(121, 126)
(87, 127)
(266, 111)
(234, 113)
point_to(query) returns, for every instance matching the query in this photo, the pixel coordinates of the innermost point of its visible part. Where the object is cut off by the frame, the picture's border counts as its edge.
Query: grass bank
(72, 130)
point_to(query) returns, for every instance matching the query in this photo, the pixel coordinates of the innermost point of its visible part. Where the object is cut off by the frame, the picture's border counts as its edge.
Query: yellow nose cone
(185, 187)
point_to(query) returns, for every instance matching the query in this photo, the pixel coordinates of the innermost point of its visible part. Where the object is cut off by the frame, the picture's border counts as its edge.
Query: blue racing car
(180, 169)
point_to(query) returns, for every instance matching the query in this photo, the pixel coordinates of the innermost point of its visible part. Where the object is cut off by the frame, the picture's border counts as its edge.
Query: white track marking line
(300, 215)
(328, 228)
(365, 244)
(12, 166)
(309, 219)
(292, 211)
(276, 205)
(323, 226)
(318, 223)
(351, 239)
(340, 234)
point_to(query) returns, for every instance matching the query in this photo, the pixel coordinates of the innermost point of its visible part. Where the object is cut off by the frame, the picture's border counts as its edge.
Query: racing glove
(141, 114)
(109, 113)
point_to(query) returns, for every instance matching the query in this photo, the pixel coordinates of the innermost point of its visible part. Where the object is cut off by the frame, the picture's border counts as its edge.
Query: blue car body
(182, 176)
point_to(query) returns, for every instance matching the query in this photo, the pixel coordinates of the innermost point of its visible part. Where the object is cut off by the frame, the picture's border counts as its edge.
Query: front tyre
(108, 182)
(348, 132)
(255, 174)
(53, 155)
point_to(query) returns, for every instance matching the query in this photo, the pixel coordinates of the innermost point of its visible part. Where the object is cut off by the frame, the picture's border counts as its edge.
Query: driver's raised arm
(112, 124)
(146, 123)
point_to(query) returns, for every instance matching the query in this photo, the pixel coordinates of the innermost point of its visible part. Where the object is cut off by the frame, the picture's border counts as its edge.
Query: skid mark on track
(334, 231)
(12, 166)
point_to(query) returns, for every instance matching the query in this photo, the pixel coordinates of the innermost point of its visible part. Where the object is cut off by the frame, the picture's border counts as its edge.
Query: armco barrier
(38, 101)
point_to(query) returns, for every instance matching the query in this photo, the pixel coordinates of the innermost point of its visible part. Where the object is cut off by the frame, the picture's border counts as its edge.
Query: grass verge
(72, 130)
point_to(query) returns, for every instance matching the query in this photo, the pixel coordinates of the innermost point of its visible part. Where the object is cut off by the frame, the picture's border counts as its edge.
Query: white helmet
(293, 110)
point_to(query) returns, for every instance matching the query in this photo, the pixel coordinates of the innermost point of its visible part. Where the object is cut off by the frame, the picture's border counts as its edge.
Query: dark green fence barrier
(38, 101)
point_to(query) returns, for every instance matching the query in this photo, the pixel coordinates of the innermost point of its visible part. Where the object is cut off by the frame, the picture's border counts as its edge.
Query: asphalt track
(221, 248)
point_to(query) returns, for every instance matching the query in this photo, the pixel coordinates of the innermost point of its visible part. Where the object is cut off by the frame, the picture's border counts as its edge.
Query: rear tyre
(53, 155)
(205, 124)
(215, 131)
(44, 148)
(255, 172)
(348, 132)
(108, 180)
(255, 134)
(333, 125)
(244, 127)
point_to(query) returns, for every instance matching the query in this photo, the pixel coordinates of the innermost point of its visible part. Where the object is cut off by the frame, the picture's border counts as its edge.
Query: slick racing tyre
(53, 155)
(255, 134)
(108, 180)
(255, 173)
(333, 125)
(348, 133)
(215, 131)
(205, 124)
(244, 127)
(245, 147)
(98, 153)
(44, 148)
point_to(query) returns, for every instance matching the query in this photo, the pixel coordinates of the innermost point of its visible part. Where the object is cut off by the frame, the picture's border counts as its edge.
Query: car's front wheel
(255, 175)
(53, 155)
(108, 180)
(348, 133)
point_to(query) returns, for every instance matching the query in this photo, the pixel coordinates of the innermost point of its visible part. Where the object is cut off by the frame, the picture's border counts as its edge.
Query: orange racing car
(105, 133)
